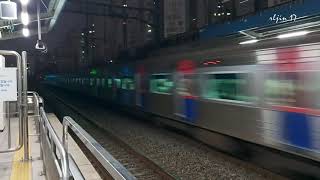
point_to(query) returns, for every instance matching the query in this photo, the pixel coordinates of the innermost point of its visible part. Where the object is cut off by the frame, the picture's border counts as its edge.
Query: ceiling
(49, 14)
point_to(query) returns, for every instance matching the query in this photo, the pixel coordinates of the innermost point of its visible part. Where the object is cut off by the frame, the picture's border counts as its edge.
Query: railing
(21, 101)
(50, 144)
(114, 168)
(58, 164)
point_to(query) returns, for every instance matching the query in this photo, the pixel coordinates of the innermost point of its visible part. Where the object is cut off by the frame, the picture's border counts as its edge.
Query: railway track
(140, 166)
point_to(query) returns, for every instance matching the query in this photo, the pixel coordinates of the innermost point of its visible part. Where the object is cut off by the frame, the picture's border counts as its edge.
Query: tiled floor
(7, 159)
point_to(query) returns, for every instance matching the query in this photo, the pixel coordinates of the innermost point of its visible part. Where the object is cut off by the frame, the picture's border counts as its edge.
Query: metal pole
(9, 125)
(25, 106)
(39, 21)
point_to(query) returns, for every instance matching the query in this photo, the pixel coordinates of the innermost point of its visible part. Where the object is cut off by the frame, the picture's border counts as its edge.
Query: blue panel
(308, 8)
(190, 110)
(297, 129)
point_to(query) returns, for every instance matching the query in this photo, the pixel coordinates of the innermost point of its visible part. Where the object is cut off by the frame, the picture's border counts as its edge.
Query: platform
(12, 167)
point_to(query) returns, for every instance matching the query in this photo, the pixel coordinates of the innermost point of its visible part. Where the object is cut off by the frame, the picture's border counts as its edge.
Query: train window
(117, 82)
(127, 83)
(231, 86)
(98, 82)
(295, 89)
(109, 83)
(187, 85)
(161, 84)
(103, 82)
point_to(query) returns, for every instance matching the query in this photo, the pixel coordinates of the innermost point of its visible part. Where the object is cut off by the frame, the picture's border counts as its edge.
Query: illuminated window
(127, 83)
(161, 84)
(227, 87)
(117, 82)
(297, 89)
(109, 83)
(103, 83)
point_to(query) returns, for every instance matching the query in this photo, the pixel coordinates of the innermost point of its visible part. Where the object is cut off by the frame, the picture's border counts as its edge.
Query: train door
(141, 87)
(291, 92)
(185, 91)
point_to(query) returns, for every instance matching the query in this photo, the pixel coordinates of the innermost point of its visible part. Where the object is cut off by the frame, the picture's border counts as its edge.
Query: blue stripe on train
(190, 110)
(297, 129)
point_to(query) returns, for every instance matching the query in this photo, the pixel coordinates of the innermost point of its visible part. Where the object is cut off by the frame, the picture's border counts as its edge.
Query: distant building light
(25, 18)
(228, 14)
(219, 6)
(111, 61)
(92, 25)
(249, 41)
(194, 19)
(219, 14)
(222, 13)
(90, 32)
(125, 5)
(82, 34)
(93, 31)
(124, 22)
(215, 14)
(25, 32)
(82, 52)
(293, 34)
(150, 30)
(148, 25)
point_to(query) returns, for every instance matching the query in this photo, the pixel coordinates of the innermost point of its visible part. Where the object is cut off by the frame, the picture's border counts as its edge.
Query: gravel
(180, 156)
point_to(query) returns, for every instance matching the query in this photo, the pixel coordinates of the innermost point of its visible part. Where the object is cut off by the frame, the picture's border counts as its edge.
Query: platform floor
(13, 168)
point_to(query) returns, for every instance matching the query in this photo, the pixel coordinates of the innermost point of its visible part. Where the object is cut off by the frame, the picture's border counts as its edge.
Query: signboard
(174, 17)
(8, 84)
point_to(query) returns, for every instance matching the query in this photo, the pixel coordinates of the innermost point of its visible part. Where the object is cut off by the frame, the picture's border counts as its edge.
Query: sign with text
(8, 84)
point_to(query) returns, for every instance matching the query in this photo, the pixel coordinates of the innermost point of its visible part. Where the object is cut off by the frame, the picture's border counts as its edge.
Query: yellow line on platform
(21, 170)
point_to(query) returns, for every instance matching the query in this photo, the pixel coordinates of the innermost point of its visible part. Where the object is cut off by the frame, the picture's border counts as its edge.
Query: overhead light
(24, 2)
(24, 18)
(293, 34)
(25, 32)
(249, 41)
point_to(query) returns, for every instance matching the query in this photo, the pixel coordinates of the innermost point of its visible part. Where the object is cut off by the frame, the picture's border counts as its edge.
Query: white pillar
(2, 104)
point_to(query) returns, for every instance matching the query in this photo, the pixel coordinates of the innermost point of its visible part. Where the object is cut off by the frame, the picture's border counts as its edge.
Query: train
(266, 93)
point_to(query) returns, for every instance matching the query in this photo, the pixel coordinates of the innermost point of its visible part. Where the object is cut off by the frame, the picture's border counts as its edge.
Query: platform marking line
(21, 170)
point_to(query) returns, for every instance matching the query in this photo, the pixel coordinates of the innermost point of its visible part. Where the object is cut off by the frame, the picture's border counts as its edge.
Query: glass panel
(117, 82)
(297, 89)
(127, 83)
(187, 85)
(110, 83)
(161, 84)
(228, 87)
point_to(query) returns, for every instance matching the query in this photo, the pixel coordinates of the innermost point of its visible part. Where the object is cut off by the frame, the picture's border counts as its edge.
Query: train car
(265, 93)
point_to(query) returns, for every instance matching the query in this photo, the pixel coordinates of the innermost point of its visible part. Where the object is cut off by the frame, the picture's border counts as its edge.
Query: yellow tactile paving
(21, 170)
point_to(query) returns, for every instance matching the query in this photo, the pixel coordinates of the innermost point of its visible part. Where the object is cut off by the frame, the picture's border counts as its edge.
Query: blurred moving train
(266, 93)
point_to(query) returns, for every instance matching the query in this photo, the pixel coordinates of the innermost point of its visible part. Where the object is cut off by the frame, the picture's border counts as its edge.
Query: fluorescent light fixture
(25, 18)
(293, 34)
(249, 41)
(24, 2)
(25, 32)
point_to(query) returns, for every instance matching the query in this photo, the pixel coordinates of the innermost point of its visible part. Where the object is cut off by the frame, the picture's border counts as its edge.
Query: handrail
(57, 143)
(114, 168)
